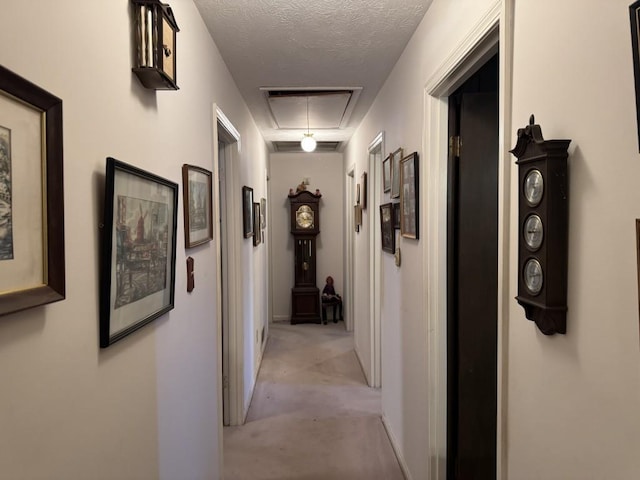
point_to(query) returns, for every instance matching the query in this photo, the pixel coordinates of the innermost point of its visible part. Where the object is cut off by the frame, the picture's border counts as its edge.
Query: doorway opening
(472, 276)
(227, 141)
(376, 154)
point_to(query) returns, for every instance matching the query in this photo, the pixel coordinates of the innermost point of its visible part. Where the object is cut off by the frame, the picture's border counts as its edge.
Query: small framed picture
(196, 196)
(395, 173)
(396, 216)
(386, 224)
(358, 194)
(263, 213)
(409, 196)
(386, 174)
(257, 237)
(357, 216)
(139, 250)
(247, 212)
(363, 201)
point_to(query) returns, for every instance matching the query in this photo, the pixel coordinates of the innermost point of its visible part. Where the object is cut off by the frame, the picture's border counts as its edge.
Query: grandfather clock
(305, 226)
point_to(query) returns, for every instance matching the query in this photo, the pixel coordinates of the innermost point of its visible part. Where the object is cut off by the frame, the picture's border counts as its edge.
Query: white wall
(145, 407)
(325, 172)
(398, 111)
(573, 399)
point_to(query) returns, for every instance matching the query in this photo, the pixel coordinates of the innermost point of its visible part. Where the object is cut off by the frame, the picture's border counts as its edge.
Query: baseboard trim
(396, 448)
(280, 318)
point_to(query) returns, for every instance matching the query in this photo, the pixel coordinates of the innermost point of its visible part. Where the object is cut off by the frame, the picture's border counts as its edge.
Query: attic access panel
(328, 109)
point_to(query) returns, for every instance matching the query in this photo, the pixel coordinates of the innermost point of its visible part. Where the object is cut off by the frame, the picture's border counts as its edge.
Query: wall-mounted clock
(543, 228)
(305, 226)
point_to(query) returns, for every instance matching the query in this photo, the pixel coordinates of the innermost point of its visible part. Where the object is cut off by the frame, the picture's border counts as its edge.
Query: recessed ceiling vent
(329, 108)
(294, 147)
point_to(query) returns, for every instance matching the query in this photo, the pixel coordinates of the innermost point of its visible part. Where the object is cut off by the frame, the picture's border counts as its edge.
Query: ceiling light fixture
(308, 143)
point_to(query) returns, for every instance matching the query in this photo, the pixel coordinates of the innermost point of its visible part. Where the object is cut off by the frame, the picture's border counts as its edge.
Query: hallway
(312, 414)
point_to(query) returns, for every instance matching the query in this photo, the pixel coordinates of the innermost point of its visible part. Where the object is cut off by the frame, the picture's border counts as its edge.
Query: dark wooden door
(473, 279)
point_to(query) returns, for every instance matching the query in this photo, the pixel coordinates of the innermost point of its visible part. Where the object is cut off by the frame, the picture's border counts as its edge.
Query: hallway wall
(571, 400)
(325, 172)
(146, 407)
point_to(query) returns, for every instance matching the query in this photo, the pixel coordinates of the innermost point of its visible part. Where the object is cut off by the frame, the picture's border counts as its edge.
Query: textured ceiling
(306, 43)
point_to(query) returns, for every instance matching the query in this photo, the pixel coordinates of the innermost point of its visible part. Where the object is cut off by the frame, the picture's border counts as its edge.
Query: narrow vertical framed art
(197, 195)
(409, 205)
(32, 254)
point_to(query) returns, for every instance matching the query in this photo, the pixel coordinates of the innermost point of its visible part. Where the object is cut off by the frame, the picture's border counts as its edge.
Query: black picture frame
(138, 250)
(197, 205)
(47, 282)
(396, 215)
(247, 212)
(386, 225)
(257, 237)
(634, 17)
(363, 200)
(386, 174)
(409, 187)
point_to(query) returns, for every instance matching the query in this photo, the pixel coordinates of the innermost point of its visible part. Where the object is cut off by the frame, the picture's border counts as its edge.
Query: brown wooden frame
(409, 204)
(257, 237)
(189, 242)
(52, 288)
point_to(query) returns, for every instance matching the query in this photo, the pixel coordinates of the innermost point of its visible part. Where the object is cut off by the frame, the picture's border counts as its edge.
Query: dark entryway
(473, 277)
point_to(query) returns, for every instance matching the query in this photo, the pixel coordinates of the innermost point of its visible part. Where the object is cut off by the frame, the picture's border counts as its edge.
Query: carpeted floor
(312, 416)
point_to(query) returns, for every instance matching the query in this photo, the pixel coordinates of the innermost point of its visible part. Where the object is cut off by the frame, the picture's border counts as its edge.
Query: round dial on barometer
(533, 232)
(533, 276)
(304, 217)
(533, 187)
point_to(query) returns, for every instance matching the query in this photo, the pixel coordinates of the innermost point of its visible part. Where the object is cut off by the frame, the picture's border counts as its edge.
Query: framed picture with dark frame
(634, 16)
(364, 191)
(138, 250)
(409, 196)
(263, 213)
(32, 254)
(386, 225)
(395, 173)
(247, 212)
(386, 174)
(396, 216)
(257, 237)
(197, 206)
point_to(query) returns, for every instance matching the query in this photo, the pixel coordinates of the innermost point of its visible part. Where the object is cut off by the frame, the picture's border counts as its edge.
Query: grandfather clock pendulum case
(305, 226)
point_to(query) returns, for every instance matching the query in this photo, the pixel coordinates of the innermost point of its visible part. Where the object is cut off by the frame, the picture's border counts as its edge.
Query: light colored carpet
(312, 416)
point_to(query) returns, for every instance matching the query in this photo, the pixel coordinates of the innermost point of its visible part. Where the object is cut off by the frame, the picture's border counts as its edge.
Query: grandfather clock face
(305, 217)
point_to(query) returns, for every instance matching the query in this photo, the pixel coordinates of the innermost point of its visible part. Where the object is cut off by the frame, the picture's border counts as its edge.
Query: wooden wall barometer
(305, 226)
(543, 228)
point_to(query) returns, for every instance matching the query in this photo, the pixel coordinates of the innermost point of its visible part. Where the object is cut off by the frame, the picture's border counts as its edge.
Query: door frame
(229, 277)
(493, 30)
(349, 300)
(375, 256)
